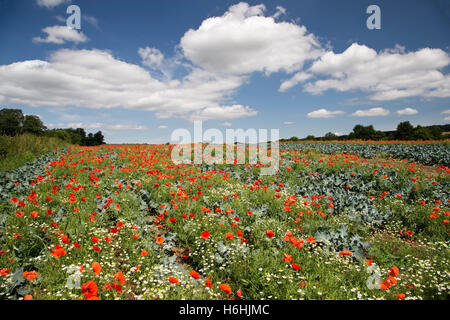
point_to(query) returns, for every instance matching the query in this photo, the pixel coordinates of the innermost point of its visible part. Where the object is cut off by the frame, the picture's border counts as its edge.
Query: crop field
(124, 222)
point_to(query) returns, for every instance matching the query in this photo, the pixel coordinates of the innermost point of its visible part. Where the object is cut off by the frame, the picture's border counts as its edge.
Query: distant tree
(310, 137)
(405, 131)
(436, 132)
(33, 124)
(421, 133)
(365, 133)
(330, 136)
(11, 121)
(99, 138)
(294, 139)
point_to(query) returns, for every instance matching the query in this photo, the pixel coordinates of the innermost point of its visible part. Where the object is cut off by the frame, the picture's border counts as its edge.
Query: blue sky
(137, 70)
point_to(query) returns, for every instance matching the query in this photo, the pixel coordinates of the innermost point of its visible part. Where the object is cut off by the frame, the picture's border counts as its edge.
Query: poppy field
(336, 221)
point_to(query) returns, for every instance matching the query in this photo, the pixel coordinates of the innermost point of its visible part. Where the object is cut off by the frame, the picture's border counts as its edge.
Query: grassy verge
(17, 151)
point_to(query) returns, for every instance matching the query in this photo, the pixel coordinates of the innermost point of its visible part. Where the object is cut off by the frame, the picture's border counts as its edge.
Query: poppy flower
(393, 271)
(95, 239)
(194, 274)
(174, 280)
(269, 233)
(159, 240)
(401, 296)
(89, 289)
(295, 266)
(119, 224)
(345, 253)
(208, 283)
(97, 268)
(120, 277)
(144, 253)
(229, 236)
(225, 288)
(205, 235)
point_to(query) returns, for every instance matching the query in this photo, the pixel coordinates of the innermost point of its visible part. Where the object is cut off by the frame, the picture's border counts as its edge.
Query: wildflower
(159, 240)
(393, 271)
(208, 283)
(229, 236)
(120, 277)
(401, 296)
(194, 274)
(295, 266)
(144, 253)
(345, 253)
(205, 235)
(225, 288)
(269, 233)
(97, 268)
(89, 289)
(174, 280)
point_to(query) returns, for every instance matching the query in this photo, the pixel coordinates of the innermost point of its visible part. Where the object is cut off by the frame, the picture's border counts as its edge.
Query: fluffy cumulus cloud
(60, 35)
(324, 113)
(372, 112)
(244, 40)
(51, 3)
(151, 57)
(407, 112)
(387, 75)
(98, 125)
(96, 79)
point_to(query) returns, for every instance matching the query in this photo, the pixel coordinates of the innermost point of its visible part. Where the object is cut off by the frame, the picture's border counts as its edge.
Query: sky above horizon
(138, 70)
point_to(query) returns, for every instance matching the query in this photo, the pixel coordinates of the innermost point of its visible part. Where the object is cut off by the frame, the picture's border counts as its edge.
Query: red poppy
(89, 289)
(174, 280)
(194, 274)
(269, 233)
(225, 288)
(205, 235)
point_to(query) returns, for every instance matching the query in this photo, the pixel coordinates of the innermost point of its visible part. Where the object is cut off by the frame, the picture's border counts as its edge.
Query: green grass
(17, 151)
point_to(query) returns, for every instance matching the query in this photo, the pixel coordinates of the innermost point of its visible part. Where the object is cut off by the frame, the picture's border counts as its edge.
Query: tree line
(405, 131)
(13, 122)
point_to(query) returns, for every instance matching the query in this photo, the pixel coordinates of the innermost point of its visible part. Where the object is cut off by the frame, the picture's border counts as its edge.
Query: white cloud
(297, 78)
(447, 119)
(151, 57)
(407, 112)
(228, 112)
(390, 74)
(162, 127)
(91, 20)
(227, 124)
(51, 3)
(324, 113)
(280, 11)
(99, 126)
(446, 111)
(61, 34)
(288, 123)
(372, 112)
(243, 41)
(89, 78)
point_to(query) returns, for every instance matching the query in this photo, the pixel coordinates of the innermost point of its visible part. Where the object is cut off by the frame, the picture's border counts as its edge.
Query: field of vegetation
(337, 221)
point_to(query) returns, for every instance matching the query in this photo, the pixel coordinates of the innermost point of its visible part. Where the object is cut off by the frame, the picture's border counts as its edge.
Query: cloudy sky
(137, 70)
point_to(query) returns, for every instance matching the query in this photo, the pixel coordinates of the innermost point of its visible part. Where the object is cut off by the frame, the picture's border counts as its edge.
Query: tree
(310, 137)
(11, 121)
(99, 138)
(421, 133)
(33, 124)
(330, 136)
(436, 132)
(293, 139)
(405, 131)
